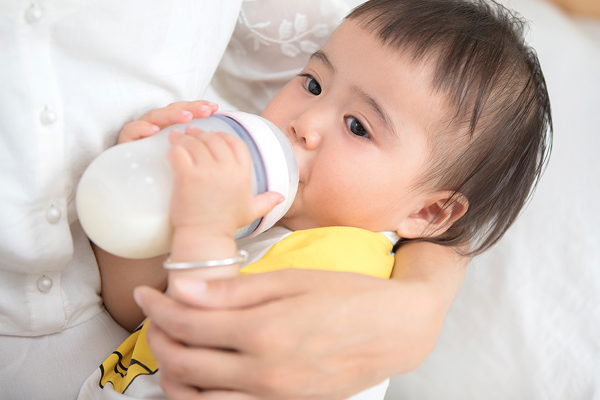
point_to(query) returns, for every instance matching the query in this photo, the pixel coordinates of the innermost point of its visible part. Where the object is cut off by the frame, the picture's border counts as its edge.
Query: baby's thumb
(265, 202)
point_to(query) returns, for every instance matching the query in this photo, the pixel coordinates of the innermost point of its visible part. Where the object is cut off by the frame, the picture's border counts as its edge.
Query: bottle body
(123, 196)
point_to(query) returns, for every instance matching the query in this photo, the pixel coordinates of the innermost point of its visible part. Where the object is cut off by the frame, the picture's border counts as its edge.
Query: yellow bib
(337, 248)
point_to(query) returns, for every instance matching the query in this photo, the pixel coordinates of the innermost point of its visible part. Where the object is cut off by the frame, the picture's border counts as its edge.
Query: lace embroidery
(292, 36)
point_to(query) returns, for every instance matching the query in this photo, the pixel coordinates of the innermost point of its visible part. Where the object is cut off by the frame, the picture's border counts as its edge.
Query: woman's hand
(298, 333)
(160, 118)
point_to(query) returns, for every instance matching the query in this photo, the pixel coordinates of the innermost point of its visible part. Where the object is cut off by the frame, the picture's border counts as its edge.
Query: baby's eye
(356, 127)
(312, 85)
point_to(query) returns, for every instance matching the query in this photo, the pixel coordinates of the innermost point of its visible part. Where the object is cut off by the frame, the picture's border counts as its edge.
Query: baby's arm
(119, 276)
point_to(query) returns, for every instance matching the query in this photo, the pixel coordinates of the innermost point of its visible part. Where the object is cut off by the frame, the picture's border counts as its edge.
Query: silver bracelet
(241, 256)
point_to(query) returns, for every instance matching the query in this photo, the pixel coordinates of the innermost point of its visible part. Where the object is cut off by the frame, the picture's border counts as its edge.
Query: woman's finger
(193, 326)
(197, 366)
(176, 390)
(225, 395)
(225, 371)
(250, 290)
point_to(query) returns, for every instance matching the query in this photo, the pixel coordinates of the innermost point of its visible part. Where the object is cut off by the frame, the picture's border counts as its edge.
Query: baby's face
(357, 117)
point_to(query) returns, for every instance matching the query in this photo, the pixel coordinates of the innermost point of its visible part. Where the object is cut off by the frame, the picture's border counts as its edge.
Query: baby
(418, 120)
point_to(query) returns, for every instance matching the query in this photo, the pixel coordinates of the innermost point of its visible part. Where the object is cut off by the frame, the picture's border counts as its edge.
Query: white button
(47, 116)
(44, 284)
(53, 215)
(34, 13)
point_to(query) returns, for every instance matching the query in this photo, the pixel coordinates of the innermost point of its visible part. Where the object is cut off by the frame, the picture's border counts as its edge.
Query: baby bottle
(123, 196)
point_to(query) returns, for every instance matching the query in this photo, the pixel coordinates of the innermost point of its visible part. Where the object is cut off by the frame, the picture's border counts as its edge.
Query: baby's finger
(137, 130)
(265, 202)
(199, 108)
(187, 151)
(239, 149)
(214, 141)
(200, 149)
(167, 116)
(179, 158)
(173, 135)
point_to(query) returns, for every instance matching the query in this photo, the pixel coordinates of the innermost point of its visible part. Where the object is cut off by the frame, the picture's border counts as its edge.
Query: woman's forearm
(438, 267)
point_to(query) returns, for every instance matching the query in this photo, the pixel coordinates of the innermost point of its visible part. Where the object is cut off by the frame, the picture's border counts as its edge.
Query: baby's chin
(295, 222)
(286, 223)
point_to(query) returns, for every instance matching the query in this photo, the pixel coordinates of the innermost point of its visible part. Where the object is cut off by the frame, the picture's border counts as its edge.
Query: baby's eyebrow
(320, 55)
(385, 118)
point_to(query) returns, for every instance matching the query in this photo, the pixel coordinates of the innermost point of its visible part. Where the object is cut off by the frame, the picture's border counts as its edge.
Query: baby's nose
(308, 138)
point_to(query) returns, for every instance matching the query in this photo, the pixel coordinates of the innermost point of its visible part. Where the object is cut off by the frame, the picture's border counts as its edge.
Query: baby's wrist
(193, 276)
(191, 244)
(214, 229)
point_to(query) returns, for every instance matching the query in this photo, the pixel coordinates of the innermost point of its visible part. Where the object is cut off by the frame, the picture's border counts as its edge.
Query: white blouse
(72, 73)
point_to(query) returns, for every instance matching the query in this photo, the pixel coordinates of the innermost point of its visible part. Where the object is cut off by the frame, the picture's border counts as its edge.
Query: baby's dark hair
(499, 133)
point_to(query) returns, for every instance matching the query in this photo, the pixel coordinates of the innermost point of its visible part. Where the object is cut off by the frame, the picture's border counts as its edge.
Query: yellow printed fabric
(337, 248)
(343, 249)
(131, 359)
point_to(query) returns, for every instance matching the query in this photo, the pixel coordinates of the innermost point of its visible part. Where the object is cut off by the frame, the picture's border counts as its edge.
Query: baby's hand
(211, 198)
(160, 118)
(212, 189)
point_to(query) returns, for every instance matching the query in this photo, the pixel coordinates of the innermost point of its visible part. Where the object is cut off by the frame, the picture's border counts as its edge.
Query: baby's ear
(438, 212)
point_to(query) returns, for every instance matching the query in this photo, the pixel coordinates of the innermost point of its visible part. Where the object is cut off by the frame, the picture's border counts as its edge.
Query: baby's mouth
(301, 179)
